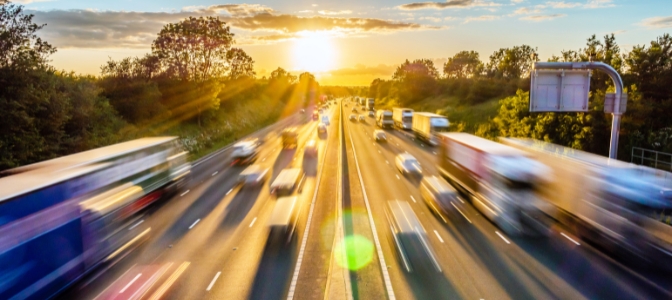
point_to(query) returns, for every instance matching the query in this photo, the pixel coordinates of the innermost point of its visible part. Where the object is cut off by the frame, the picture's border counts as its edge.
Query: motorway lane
(553, 267)
(170, 221)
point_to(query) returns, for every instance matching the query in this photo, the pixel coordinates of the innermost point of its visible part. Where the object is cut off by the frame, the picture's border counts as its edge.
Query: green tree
(464, 64)
(241, 64)
(511, 63)
(650, 68)
(415, 80)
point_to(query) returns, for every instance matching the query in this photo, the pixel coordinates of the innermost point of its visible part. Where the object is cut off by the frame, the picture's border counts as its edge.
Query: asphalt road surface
(212, 240)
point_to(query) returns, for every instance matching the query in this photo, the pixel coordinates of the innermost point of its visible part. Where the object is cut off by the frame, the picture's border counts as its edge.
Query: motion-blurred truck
(283, 219)
(290, 138)
(403, 118)
(611, 203)
(370, 103)
(384, 119)
(500, 180)
(426, 125)
(286, 181)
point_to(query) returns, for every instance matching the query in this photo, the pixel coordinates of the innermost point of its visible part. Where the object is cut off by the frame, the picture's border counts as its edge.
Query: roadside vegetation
(194, 84)
(491, 99)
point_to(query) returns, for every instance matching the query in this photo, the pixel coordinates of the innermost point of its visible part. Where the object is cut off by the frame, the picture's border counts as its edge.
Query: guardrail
(655, 159)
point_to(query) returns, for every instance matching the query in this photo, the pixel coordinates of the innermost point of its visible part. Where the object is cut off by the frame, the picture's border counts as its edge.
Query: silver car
(408, 165)
(253, 175)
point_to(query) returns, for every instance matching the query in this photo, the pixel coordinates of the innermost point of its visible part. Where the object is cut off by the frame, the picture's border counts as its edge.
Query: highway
(211, 240)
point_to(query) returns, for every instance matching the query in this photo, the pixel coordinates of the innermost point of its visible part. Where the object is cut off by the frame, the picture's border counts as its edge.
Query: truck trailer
(499, 180)
(370, 103)
(426, 125)
(403, 118)
(611, 203)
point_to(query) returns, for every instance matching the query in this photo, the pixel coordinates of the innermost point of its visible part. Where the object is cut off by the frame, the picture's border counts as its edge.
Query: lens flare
(354, 252)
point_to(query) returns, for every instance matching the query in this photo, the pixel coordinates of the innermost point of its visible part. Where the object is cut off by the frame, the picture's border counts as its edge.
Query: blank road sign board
(559, 90)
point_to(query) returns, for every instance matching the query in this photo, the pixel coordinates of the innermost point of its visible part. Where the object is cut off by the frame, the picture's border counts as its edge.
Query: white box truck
(499, 180)
(426, 125)
(607, 202)
(402, 117)
(370, 103)
(384, 119)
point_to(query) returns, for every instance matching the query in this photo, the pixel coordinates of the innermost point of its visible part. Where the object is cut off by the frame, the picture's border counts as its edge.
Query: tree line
(646, 71)
(194, 83)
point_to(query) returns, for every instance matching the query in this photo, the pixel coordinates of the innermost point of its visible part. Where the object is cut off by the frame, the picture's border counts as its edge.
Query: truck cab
(290, 138)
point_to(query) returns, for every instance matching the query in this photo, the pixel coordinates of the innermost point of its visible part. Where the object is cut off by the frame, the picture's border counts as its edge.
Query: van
(286, 181)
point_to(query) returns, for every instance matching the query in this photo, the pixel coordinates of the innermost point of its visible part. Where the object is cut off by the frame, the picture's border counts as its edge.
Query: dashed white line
(406, 152)
(379, 151)
(413, 199)
(213, 174)
(229, 192)
(192, 225)
(255, 219)
(264, 159)
(398, 177)
(130, 283)
(571, 239)
(501, 236)
(387, 162)
(136, 224)
(438, 236)
(182, 195)
(434, 152)
(465, 216)
(213, 281)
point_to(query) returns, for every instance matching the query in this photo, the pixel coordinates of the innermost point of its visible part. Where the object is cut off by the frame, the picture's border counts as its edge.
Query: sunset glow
(314, 52)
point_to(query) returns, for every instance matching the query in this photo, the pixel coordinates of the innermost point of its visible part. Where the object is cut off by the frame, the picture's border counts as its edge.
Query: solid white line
(571, 239)
(192, 225)
(501, 236)
(213, 174)
(379, 250)
(438, 236)
(213, 281)
(255, 219)
(136, 224)
(398, 177)
(229, 192)
(413, 199)
(130, 283)
(187, 192)
(465, 216)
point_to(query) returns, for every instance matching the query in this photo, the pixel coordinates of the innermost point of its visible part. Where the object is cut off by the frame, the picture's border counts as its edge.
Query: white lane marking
(182, 195)
(387, 162)
(397, 144)
(213, 281)
(136, 224)
(213, 174)
(130, 283)
(398, 177)
(192, 225)
(413, 199)
(255, 219)
(229, 192)
(434, 152)
(501, 236)
(438, 236)
(422, 145)
(571, 239)
(406, 152)
(465, 216)
(264, 159)
(379, 151)
(379, 250)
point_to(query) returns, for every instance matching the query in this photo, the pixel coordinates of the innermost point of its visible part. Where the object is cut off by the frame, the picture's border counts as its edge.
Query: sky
(346, 42)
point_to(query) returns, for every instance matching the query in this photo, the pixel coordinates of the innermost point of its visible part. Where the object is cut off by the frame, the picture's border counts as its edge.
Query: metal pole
(618, 85)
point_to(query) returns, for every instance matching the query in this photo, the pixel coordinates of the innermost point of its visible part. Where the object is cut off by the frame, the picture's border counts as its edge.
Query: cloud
(481, 18)
(386, 70)
(26, 1)
(447, 4)
(590, 4)
(526, 11)
(539, 18)
(517, 1)
(124, 29)
(332, 13)
(617, 32)
(599, 4)
(657, 22)
(433, 19)
(563, 4)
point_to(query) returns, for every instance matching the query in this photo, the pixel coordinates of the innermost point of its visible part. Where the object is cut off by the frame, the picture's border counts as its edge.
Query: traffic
(445, 215)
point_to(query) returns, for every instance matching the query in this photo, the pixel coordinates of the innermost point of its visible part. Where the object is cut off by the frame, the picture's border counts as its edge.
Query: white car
(253, 175)
(380, 135)
(311, 148)
(372, 114)
(353, 117)
(407, 164)
(325, 120)
(362, 118)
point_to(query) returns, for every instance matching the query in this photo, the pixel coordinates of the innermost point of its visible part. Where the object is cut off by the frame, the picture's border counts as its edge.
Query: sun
(314, 52)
